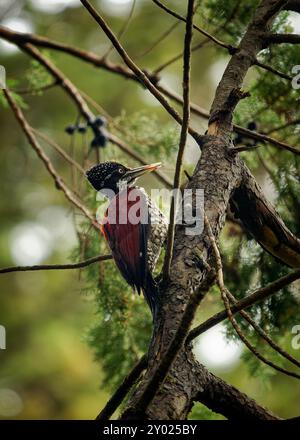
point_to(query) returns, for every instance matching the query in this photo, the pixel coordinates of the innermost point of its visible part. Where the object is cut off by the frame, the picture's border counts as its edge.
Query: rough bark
(189, 382)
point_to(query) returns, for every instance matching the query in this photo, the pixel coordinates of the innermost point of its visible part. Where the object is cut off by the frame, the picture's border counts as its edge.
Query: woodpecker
(133, 226)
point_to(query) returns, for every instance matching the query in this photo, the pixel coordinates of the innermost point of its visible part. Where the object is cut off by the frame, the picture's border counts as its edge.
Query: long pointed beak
(134, 173)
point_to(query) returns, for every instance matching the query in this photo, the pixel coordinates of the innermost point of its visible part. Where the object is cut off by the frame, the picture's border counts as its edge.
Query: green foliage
(37, 77)
(148, 137)
(12, 83)
(201, 412)
(228, 18)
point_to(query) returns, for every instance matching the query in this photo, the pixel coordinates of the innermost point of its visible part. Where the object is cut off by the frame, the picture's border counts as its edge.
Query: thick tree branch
(257, 296)
(223, 398)
(282, 39)
(189, 381)
(161, 370)
(293, 5)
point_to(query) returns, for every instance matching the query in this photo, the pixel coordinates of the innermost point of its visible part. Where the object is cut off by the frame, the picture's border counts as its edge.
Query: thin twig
(225, 297)
(196, 46)
(283, 126)
(178, 57)
(123, 29)
(30, 91)
(59, 149)
(183, 135)
(264, 335)
(197, 28)
(161, 38)
(67, 266)
(266, 139)
(124, 147)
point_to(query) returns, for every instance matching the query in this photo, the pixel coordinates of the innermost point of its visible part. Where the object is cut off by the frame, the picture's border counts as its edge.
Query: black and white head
(115, 176)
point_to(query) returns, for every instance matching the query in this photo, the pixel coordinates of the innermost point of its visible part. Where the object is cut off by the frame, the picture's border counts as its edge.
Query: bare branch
(264, 335)
(67, 266)
(266, 139)
(282, 39)
(255, 297)
(178, 57)
(293, 5)
(59, 149)
(159, 40)
(220, 43)
(273, 70)
(123, 30)
(283, 126)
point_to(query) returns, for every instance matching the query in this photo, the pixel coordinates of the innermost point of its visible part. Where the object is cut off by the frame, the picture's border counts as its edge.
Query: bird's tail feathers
(151, 295)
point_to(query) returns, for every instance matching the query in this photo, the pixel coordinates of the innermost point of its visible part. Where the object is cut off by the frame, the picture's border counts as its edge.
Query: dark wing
(128, 239)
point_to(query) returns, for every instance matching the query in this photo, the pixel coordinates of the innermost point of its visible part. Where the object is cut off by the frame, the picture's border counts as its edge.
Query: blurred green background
(48, 369)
